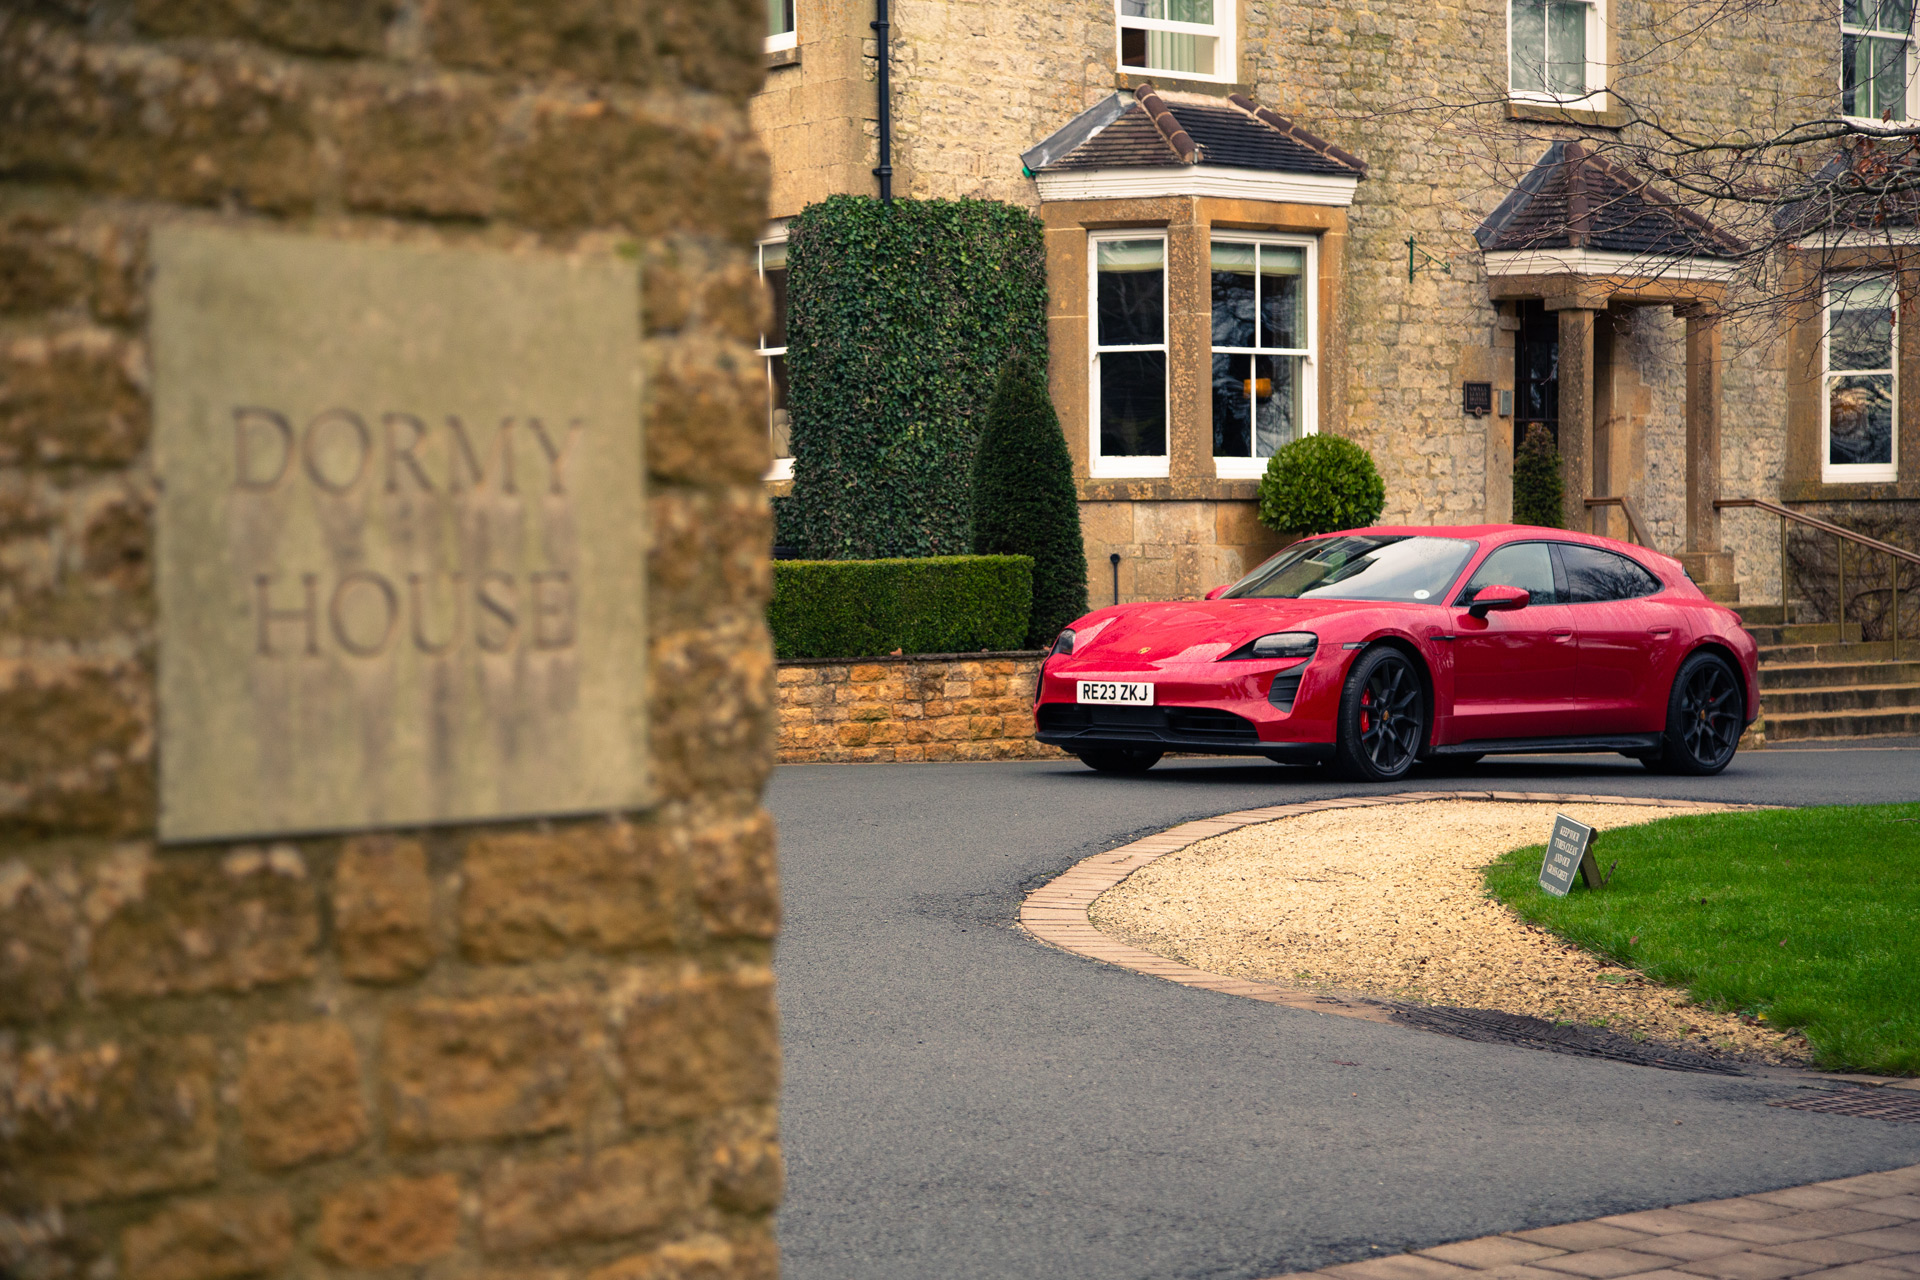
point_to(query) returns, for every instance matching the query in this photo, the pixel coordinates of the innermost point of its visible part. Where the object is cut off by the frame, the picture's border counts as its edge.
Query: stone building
(400, 999)
(1365, 164)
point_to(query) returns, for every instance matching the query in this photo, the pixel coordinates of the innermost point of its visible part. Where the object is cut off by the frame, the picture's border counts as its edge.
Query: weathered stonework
(910, 709)
(525, 1048)
(976, 83)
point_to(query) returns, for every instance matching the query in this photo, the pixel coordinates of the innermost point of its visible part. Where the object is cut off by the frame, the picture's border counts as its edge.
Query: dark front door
(1536, 371)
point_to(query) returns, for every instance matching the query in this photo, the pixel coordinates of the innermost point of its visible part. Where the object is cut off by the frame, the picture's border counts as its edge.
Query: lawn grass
(1809, 918)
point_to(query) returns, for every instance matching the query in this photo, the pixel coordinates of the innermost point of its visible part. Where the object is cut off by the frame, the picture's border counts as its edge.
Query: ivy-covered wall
(899, 318)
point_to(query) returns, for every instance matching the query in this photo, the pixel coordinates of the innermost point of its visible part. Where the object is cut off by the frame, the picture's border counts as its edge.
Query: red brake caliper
(1366, 703)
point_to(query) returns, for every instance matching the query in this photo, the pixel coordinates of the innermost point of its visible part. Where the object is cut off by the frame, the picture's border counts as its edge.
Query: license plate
(1116, 691)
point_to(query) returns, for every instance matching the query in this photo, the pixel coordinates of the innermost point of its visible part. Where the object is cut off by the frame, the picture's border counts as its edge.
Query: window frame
(1857, 472)
(788, 39)
(1223, 29)
(1127, 466)
(779, 468)
(1912, 87)
(1598, 62)
(1253, 467)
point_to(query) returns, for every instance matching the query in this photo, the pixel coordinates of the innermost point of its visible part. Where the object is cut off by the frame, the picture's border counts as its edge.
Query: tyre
(1383, 718)
(1705, 714)
(1124, 760)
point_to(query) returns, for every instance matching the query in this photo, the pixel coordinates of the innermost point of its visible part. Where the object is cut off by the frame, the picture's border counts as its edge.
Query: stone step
(1835, 675)
(1761, 615)
(1767, 636)
(1853, 697)
(1727, 593)
(1843, 724)
(1868, 651)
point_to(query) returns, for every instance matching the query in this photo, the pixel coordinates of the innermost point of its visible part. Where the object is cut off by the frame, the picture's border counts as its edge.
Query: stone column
(1189, 347)
(1703, 428)
(1576, 413)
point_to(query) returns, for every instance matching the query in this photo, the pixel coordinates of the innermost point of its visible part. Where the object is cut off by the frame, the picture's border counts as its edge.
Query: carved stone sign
(1569, 853)
(401, 565)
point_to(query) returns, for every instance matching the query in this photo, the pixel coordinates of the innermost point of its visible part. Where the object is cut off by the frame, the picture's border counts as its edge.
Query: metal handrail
(1635, 530)
(1842, 536)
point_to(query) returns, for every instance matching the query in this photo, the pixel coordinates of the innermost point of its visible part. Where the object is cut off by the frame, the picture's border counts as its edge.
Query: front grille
(1149, 724)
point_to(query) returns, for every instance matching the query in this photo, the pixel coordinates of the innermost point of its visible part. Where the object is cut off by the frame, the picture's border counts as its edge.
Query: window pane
(1133, 404)
(1282, 323)
(1860, 324)
(1170, 51)
(1132, 292)
(776, 277)
(1896, 15)
(1233, 295)
(1528, 34)
(1889, 78)
(1200, 11)
(1860, 420)
(1232, 406)
(1594, 576)
(779, 17)
(1143, 8)
(1854, 74)
(1567, 48)
(1859, 13)
(777, 392)
(1276, 406)
(1527, 565)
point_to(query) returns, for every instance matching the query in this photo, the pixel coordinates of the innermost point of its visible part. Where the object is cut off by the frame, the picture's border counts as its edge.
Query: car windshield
(1358, 567)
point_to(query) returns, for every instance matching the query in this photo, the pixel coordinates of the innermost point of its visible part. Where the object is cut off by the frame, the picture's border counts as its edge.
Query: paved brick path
(1862, 1228)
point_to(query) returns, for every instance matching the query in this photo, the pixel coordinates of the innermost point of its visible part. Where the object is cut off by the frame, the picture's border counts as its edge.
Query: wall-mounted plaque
(401, 547)
(1569, 854)
(1476, 399)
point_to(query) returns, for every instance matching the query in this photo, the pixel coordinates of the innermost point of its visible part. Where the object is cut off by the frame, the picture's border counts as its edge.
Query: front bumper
(1278, 711)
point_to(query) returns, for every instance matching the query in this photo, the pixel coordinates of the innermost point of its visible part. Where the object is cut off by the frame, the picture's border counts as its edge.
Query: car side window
(1594, 575)
(1527, 565)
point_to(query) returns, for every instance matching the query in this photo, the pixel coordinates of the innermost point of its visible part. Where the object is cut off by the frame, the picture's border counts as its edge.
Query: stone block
(218, 1238)
(868, 672)
(744, 1165)
(604, 886)
(391, 1222)
(799, 676)
(71, 399)
(853, 735)
(640, 1186)
(464, 1070)
(736, 879)
(423, 147)
(692, 1042)
(311, 26)
(76, 750)
(701, 1257)
(601, 40)
(107, 1121)
(39, 270)
(712, 695)
(39, 940)
(176, 924)
(383, 909)
(870, 712)
(700, 282)
(300, 1093)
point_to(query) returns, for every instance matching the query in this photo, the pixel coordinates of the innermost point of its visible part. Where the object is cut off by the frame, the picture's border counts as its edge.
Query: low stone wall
(941, 706)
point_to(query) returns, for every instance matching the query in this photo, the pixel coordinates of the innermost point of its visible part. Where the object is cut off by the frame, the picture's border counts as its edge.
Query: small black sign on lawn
(1569, 853)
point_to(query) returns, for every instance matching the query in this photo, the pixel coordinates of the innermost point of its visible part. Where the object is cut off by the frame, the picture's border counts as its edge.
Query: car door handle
(1561, 633)
(1659, 631)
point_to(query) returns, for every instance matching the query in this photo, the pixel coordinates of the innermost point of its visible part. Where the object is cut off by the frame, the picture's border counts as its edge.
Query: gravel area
(1344, 900)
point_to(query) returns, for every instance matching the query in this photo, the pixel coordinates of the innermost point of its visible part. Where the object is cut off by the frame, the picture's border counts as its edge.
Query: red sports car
(1376, 648)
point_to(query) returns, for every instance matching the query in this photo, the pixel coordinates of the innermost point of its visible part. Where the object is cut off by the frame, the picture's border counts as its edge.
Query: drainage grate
(1493, 1027)
(1868, 1104)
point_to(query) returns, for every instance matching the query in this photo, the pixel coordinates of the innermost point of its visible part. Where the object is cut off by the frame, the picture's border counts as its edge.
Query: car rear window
(1594, 576)
(1416, 570)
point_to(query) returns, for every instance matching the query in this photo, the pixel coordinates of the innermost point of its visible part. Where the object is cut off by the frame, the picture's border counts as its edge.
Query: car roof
(1494, 533)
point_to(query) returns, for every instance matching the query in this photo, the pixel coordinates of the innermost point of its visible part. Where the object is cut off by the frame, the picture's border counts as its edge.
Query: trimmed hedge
(865, 608)
(1024, 501)
(1318, 484)
(899, 318)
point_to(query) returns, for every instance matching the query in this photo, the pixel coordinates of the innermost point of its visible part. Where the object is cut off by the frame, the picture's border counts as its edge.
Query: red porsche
(1374, 649)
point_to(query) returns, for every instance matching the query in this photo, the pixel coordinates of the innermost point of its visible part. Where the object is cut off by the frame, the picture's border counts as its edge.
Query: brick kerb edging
(983, 655)
(1056, 912)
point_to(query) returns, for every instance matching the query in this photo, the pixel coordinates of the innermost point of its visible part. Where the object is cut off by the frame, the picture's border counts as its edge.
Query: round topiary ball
(1318, 484)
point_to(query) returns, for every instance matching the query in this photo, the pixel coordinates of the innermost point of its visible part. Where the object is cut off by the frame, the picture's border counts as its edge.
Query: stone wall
(528, 1048)
(926, 707)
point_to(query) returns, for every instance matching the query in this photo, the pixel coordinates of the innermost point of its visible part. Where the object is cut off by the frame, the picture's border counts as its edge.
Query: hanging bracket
(1413, 265)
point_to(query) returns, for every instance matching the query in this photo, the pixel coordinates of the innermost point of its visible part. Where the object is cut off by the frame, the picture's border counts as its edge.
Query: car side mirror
(1497, 595)
(1218, 591)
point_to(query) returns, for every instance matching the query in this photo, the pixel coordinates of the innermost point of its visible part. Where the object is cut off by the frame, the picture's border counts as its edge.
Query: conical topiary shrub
(1539, 492)
(1024, 502)
(1318, 484)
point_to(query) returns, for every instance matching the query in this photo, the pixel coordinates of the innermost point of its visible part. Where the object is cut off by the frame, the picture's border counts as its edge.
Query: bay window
(1189, 38)
(1262, 314)
(1129, 384)
(1860, 412)
(1875, 58)
(773, 352)
(1554, 49)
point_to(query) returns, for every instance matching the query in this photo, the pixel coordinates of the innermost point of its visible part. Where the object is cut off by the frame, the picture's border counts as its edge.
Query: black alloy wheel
(1705, 714)
(1383, 718)
(1124, 760)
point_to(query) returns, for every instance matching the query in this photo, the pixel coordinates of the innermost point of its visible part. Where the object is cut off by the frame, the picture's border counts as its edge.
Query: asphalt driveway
(962, 1101)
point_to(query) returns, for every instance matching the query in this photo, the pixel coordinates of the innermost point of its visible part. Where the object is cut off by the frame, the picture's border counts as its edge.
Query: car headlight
(1065, 643)
(1286, 644)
